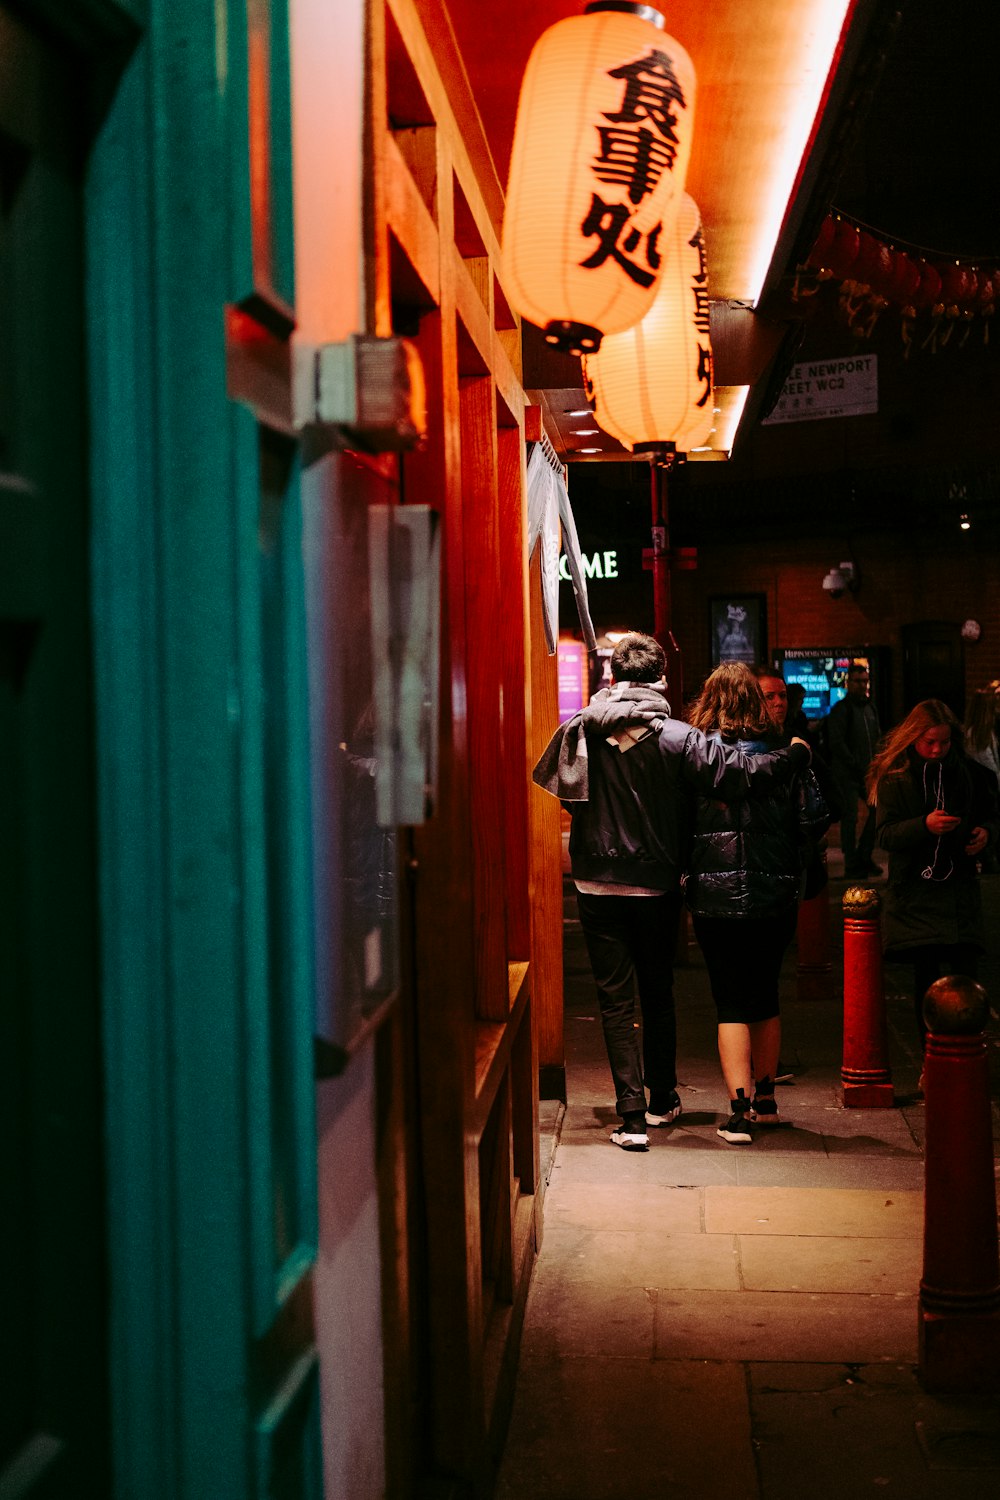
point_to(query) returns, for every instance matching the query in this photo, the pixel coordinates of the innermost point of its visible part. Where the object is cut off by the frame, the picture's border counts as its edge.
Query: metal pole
(661, 586)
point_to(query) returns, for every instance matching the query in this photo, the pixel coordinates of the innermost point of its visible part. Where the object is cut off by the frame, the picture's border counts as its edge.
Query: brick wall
(903, 581)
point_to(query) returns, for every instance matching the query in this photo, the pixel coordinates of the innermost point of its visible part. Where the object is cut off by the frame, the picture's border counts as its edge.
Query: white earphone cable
(929, 872)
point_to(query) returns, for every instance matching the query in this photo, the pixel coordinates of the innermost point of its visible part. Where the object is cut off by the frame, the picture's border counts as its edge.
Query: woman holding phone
(936, 813)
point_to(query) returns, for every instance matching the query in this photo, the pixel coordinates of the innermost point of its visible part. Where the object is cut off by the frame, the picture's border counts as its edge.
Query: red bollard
(814, 969)
(865, 1074)
(960, 1287)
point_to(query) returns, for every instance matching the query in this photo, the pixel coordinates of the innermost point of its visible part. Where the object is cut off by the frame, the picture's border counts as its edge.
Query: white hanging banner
(827, 388)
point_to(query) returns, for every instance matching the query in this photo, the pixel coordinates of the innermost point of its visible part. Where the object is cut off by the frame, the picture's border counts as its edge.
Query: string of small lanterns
(943, 293)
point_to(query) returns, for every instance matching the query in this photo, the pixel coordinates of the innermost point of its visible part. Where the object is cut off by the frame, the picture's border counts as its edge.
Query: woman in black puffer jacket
(743, 887)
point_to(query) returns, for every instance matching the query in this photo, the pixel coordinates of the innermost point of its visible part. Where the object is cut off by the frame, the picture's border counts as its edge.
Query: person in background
(784, 705)
(775, 693)
(981, 745)
(981, 730)
(743, 884)
(854, 733)
(936, 813)
(627, 773)
(797, 722)
(778, 696)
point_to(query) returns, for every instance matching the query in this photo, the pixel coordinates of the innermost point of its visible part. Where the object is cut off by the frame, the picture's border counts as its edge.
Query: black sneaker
(764, 1110)
(737, 1128)
(631, 1133)
(663, 1109)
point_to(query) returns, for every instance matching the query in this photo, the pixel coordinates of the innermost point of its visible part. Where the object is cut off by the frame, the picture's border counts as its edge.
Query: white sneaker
(631, 1134)
(669, 1111)
(737, 1129)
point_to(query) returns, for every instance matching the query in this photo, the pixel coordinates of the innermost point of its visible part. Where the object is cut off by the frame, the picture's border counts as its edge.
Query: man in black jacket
(627, 773)
(853, 729)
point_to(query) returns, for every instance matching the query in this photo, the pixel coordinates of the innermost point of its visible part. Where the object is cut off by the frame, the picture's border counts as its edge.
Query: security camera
(841, 579)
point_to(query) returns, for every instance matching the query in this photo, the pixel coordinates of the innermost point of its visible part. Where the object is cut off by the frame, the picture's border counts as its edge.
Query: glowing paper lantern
(600, 154)
(652, 384)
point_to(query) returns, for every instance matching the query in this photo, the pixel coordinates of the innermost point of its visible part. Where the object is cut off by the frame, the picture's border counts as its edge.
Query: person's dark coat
(747, 858)
(632, 809)
(933, 896)
(853, 732)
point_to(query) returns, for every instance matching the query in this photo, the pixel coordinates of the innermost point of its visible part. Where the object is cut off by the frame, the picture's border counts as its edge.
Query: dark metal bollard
(814, 968)
(865, 1074)
(960, 1287)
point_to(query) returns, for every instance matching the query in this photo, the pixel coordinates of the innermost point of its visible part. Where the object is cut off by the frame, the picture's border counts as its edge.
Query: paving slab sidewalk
(739, 1323)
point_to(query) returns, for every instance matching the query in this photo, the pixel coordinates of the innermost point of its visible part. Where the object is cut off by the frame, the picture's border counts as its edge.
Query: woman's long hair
(891, 757)
(981, 718)
(731, 703)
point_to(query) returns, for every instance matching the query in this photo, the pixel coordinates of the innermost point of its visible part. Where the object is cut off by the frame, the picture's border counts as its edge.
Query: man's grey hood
(563, 767)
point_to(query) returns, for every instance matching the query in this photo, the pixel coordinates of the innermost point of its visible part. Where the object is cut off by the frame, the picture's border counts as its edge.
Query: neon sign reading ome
(597, 565)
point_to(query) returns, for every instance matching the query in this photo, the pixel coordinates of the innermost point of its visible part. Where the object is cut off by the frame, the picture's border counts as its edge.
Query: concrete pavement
(740, 1322)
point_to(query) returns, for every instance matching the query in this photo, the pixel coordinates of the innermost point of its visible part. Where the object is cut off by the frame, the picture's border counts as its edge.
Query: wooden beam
(483, 612)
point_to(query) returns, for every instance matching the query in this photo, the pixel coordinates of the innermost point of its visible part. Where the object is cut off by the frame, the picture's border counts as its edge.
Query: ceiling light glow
(793, 104)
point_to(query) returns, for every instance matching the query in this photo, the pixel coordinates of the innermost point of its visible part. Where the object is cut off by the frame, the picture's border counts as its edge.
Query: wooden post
(865, 1074)
(960, 1288)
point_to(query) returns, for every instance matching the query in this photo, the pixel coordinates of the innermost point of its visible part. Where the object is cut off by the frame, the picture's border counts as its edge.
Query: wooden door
(53, 1386)
(201, 753)
(934, 664)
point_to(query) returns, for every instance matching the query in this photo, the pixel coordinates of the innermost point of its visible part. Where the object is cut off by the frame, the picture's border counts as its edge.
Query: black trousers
(857, 836)
(631, 942)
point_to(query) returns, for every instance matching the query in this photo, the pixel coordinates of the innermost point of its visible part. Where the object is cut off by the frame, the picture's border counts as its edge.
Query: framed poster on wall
(738, 628)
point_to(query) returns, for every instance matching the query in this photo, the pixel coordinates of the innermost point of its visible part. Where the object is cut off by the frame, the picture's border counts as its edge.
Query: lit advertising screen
(822, 674)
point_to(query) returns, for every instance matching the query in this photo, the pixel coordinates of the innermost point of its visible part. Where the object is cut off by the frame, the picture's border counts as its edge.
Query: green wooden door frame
(202, 730)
